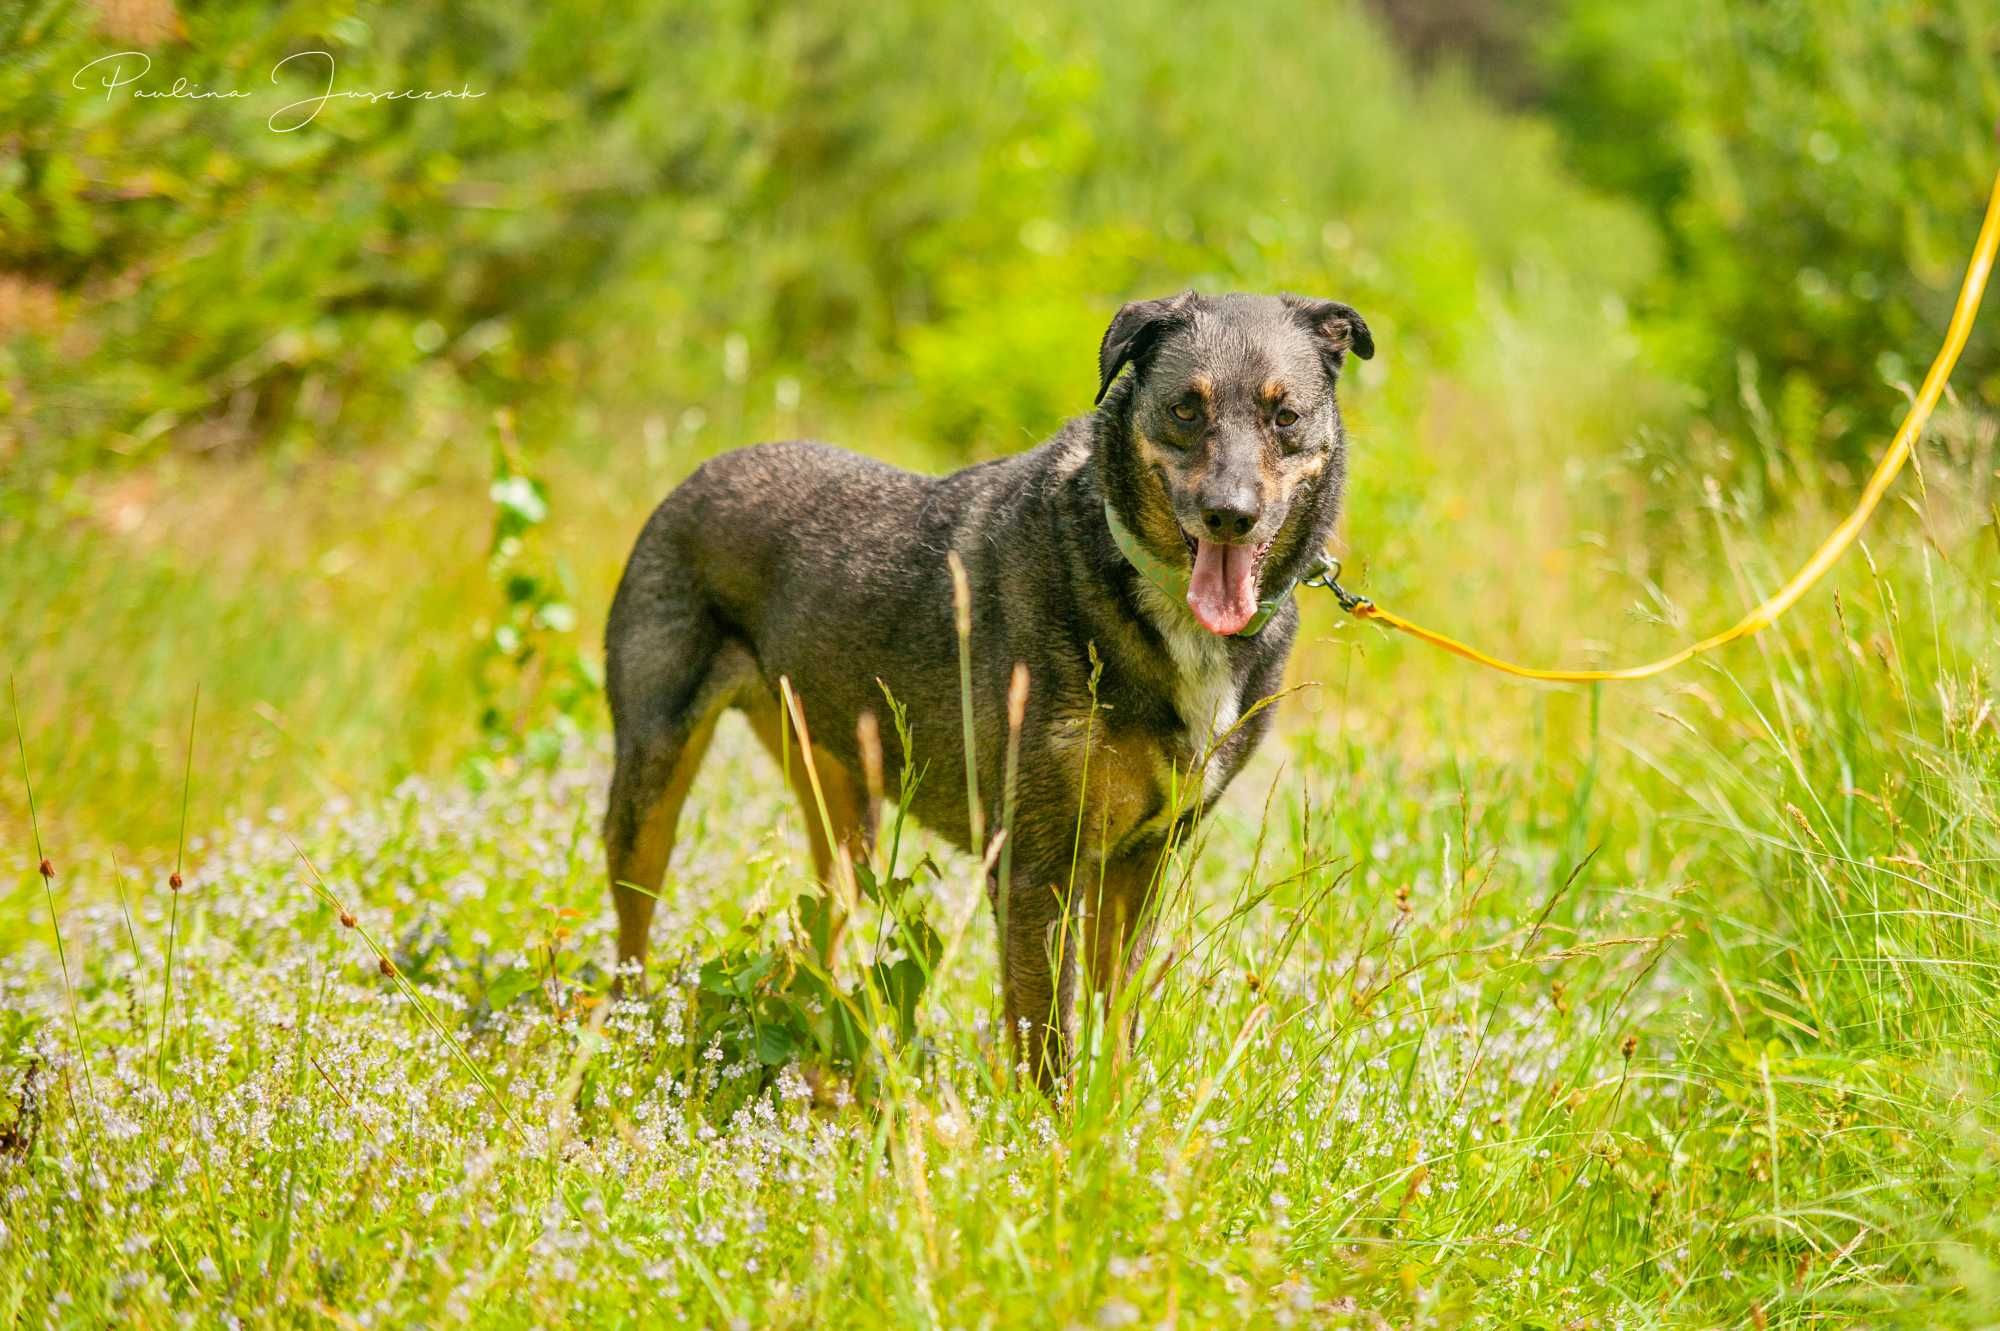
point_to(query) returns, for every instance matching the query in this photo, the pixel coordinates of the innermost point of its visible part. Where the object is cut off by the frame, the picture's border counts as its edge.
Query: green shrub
(729, 203)
(1819, 172)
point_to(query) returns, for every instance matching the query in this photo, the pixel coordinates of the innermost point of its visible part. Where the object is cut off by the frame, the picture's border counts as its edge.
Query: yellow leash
(1823, 558)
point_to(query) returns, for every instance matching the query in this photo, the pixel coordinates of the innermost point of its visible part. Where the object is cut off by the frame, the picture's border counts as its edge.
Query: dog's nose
(1229, 521)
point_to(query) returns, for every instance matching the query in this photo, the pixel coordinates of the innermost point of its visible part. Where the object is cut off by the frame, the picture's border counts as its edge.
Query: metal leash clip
(1328, 576)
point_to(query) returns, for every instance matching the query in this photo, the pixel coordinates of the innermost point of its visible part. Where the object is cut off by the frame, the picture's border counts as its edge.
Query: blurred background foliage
(937, 201)
(247, 378)
(670, 199)
(1807, 167)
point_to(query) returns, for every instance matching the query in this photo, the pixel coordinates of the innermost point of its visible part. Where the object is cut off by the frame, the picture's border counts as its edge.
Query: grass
(1477, 1006)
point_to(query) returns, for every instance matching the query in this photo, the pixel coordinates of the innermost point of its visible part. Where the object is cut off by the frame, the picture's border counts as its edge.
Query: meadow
(1476, 1003)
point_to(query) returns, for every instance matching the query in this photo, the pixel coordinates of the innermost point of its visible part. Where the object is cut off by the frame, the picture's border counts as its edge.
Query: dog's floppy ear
(1134, 331)
(1339, 328)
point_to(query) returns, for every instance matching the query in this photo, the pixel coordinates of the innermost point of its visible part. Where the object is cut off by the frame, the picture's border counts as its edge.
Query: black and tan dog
(1162, 534)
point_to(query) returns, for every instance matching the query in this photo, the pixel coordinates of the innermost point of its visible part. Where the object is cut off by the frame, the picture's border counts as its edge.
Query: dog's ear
(1338, 327)
(1134, 332)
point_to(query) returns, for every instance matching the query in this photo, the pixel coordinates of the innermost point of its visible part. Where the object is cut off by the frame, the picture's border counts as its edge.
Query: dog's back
(823, 567)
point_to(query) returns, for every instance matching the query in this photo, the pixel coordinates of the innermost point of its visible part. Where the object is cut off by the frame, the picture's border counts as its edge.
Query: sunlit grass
(1669, 1005)
(1676, 1012)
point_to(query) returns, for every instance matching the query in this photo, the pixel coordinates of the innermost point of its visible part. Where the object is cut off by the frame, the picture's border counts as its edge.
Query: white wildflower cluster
(475, 1120)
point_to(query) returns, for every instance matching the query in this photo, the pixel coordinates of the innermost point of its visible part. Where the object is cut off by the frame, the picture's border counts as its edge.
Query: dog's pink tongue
(1223, 591)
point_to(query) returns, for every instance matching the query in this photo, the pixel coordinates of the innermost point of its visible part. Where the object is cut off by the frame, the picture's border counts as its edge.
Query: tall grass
(1692, 1027)
(1473, 1004)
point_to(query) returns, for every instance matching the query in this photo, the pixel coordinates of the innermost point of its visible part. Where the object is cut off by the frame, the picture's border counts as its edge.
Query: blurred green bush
(679, 203)
(1818, 172)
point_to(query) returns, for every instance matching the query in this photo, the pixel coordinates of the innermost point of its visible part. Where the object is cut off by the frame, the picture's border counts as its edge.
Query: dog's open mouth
(1222, 591)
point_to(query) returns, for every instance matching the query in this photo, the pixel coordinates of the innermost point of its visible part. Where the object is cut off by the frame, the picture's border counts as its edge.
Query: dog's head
(1223, 449)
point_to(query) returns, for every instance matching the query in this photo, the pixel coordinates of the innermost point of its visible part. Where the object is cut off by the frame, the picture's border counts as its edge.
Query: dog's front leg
(1039, 945)
(1121, 912)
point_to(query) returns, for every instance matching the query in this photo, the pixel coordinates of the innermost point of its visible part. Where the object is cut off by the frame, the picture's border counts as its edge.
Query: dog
(1139, 564)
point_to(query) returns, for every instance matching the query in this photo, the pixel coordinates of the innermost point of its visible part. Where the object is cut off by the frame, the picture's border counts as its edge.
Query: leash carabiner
(1327, 575)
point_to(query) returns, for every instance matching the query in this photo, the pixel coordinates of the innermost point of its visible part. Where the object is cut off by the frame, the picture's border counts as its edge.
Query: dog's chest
(1205, 691)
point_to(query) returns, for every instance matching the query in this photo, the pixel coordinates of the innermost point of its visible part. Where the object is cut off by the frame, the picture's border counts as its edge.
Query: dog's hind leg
(648, 787)
(853, 813)
(669, 675)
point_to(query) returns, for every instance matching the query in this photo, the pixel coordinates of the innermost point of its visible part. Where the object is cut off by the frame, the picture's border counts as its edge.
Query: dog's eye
(1184, 411)
(1286, 418)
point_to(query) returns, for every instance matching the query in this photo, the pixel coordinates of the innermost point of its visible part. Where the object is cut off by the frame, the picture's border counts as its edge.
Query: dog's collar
(1174, 581)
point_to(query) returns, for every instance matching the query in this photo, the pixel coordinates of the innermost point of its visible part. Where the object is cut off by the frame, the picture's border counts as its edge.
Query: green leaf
(509, 985)
(775, 1044)
(922, 942)
(900, 986)
(815, 912)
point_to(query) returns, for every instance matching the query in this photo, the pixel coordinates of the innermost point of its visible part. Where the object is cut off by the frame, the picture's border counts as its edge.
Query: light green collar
(1174, 581)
